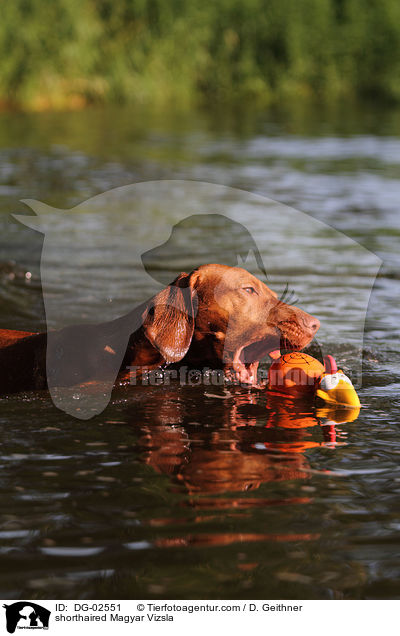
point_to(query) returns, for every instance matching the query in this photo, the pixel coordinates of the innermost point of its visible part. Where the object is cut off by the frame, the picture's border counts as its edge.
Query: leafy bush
(66, 53)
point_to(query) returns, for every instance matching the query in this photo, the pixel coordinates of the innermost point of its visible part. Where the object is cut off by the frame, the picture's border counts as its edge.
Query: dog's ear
(169, 318)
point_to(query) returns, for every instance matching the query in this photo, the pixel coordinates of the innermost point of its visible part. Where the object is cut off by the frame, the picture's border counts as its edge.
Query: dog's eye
(250, 290)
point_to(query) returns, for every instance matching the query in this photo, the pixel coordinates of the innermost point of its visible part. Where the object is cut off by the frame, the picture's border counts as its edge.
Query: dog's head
(224, 317)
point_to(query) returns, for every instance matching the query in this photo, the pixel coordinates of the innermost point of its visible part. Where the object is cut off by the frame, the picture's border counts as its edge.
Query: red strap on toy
(330, 364)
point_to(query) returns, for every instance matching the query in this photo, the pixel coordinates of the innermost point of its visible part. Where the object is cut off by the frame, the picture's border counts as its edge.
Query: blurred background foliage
(69, 53)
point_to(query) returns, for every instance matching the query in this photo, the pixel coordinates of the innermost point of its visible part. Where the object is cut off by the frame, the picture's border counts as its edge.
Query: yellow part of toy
(336, 388)
(337, 413)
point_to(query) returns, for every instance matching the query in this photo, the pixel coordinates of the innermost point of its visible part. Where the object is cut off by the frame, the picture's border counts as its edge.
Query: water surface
(192, 492)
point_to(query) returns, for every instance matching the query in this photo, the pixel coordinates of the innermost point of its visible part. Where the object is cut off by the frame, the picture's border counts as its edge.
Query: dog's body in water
(217, 316)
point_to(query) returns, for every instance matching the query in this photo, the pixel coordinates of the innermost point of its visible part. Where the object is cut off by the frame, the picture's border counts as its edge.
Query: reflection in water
(257, 440)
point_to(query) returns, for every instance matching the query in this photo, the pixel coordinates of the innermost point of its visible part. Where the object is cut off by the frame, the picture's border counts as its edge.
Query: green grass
(67, 53)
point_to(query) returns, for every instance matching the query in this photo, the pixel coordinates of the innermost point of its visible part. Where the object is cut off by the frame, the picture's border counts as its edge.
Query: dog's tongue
(275, 354)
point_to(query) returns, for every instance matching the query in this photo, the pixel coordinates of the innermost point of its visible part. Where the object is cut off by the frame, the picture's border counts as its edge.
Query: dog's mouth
(289, 337)
(247, 358)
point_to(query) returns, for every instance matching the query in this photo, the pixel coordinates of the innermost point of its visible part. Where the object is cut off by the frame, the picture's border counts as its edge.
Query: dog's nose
(313, 324)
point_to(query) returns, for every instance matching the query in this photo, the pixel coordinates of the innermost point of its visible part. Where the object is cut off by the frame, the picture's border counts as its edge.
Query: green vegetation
(67, 53)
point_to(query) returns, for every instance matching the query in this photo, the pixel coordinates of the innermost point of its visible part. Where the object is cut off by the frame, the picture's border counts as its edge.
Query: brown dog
(216, 316)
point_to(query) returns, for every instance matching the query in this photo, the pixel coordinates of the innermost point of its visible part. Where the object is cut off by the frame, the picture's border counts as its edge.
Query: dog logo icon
(26, 615)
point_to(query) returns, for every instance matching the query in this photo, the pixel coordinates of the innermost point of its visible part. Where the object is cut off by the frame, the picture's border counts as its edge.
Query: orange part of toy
(295, 373)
